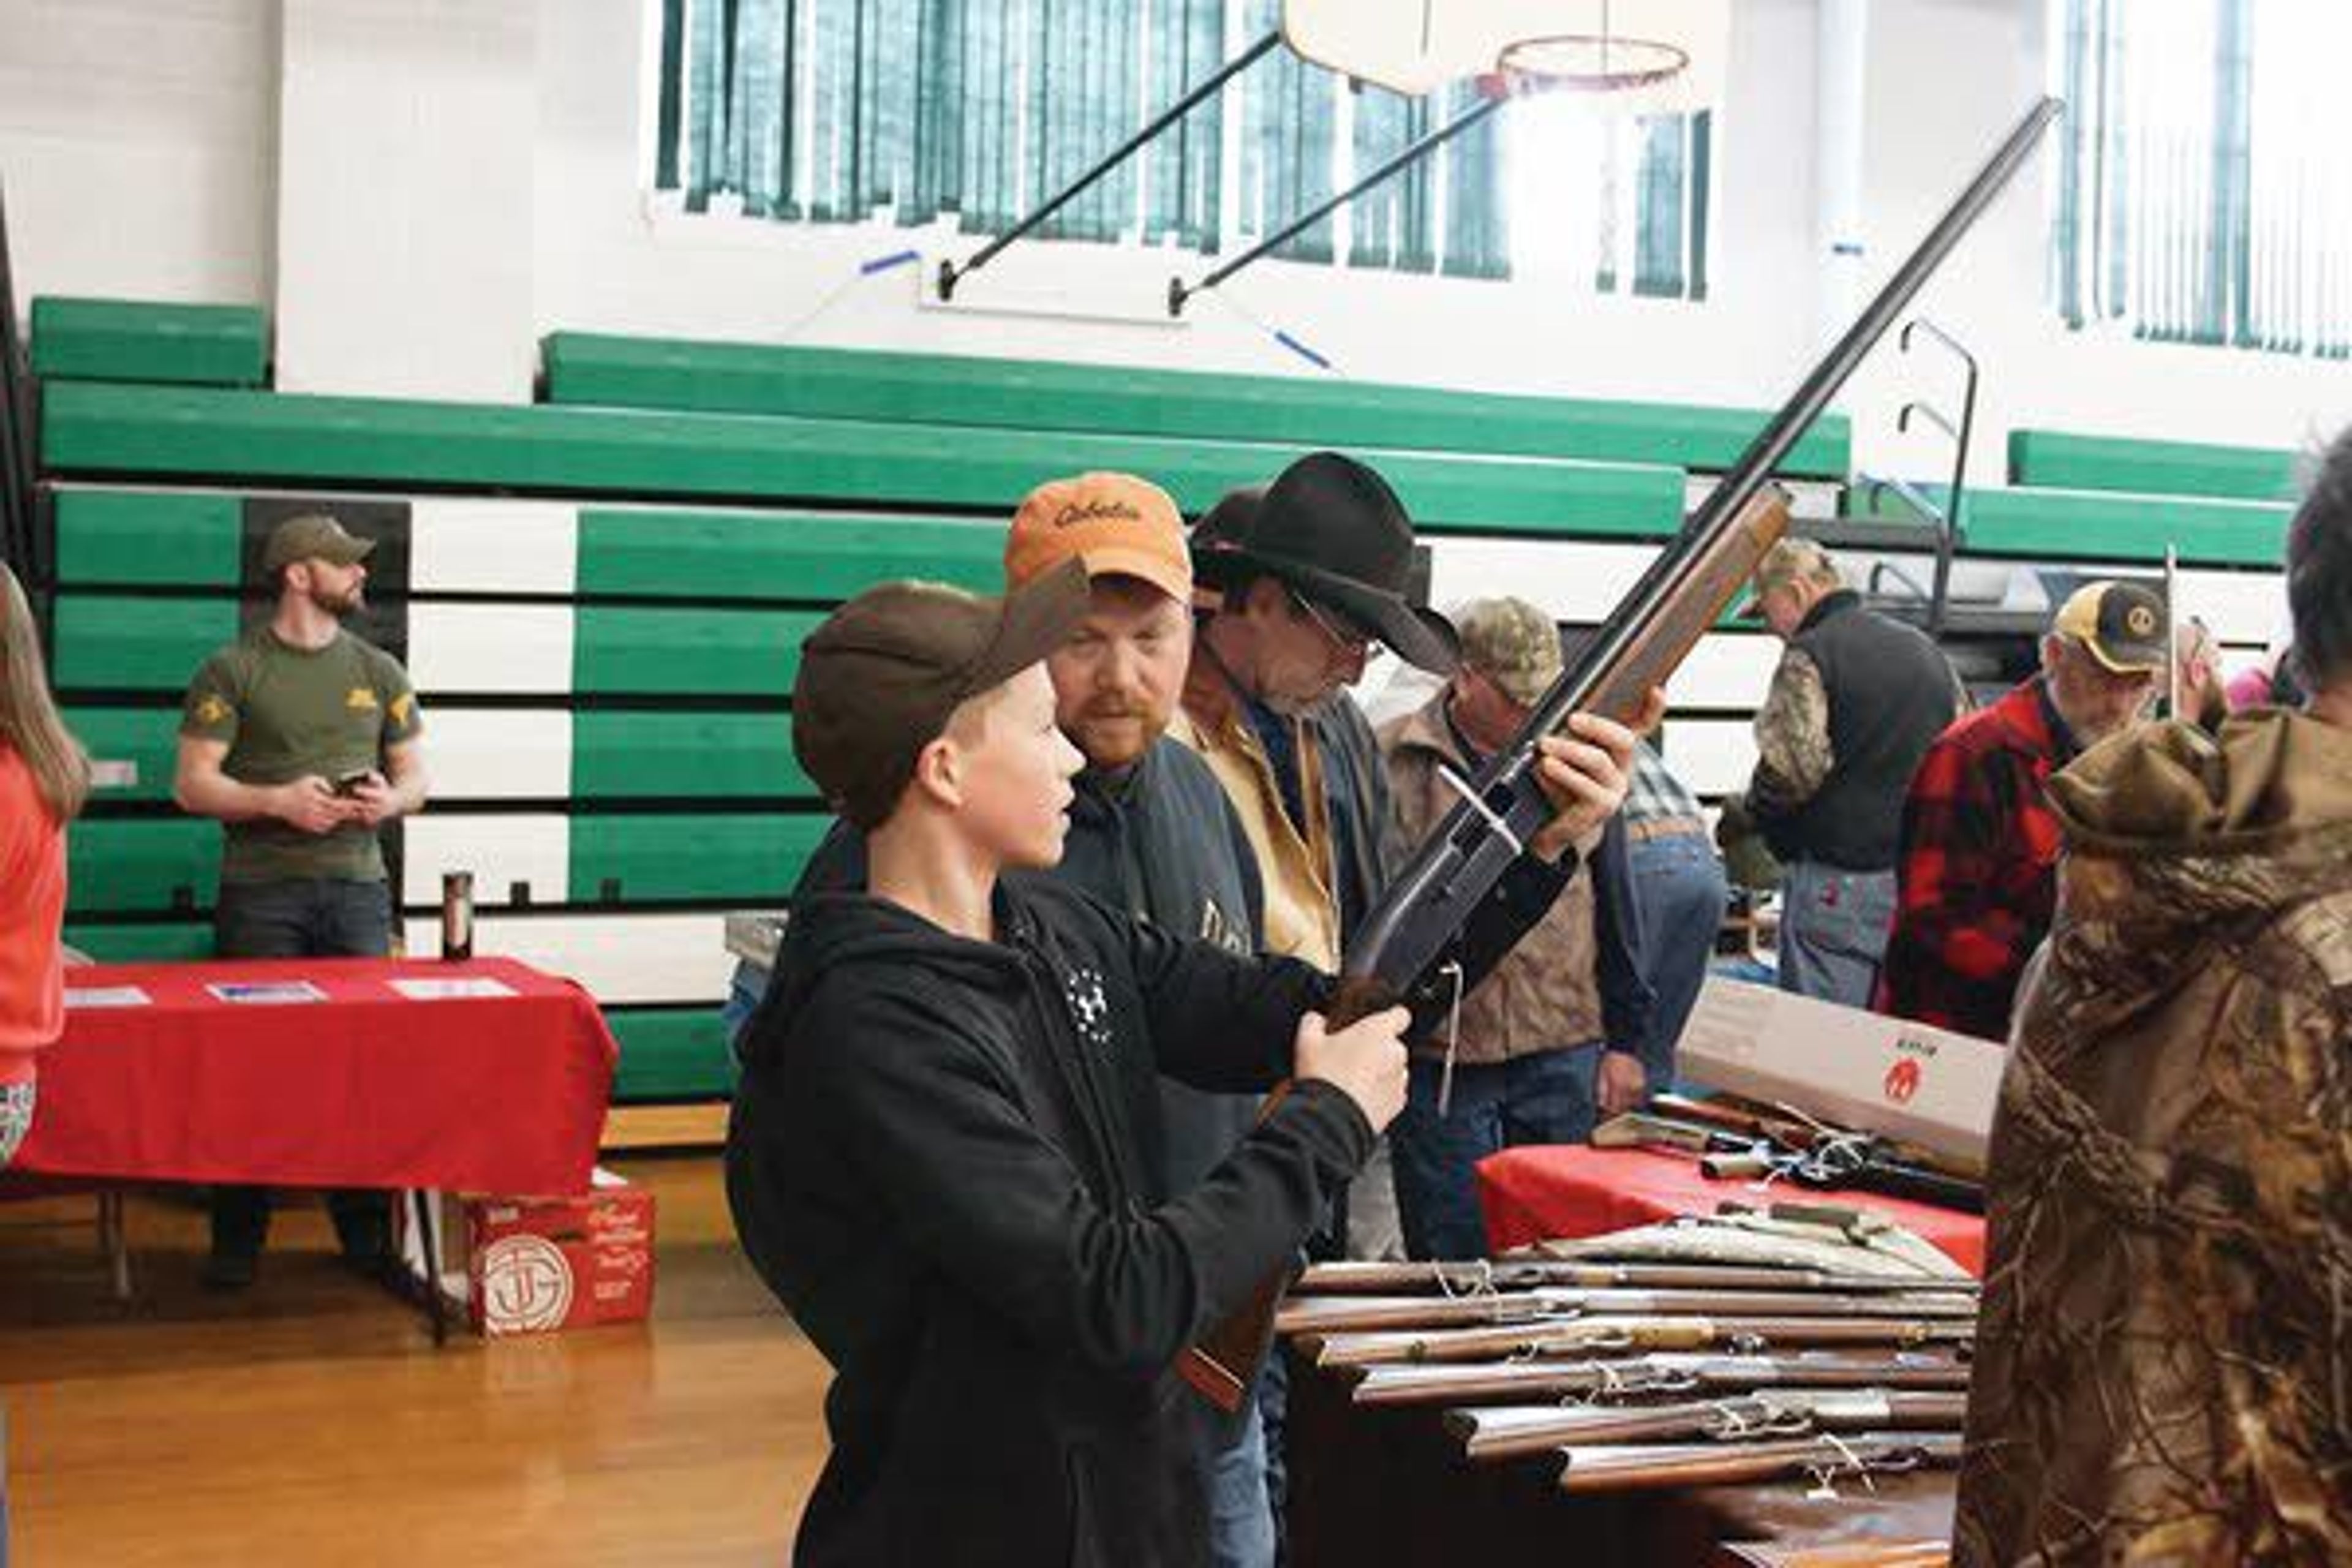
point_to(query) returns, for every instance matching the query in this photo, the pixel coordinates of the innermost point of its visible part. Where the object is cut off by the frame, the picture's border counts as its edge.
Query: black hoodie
(935, 1162)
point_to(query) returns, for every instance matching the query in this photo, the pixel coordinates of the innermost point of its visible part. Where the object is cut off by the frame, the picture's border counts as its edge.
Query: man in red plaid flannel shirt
(1977, 877)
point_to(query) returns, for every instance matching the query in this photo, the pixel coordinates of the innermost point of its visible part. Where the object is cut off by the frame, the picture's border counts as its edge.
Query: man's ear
(2051, 650)
(939, 771)
(1268, 599)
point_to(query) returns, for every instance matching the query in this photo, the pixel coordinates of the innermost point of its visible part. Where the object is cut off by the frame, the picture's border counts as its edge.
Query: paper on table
(266, 992)
(435, 989)
(107, 997)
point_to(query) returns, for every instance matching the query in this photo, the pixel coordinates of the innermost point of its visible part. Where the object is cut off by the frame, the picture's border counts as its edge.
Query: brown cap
(311, 536)
(1789, 560)
(1117, 524)
(881, 677)
(2122, 623)
(1513, 644)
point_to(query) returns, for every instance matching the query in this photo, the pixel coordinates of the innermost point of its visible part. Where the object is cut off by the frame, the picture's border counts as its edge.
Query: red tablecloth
(1538, 1192)
(368, 1088)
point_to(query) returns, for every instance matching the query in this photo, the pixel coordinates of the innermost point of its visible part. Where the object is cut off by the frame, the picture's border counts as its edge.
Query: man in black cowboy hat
(1312, 572)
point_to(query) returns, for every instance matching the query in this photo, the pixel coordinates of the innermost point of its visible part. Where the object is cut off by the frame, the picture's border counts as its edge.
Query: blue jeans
(1679, 888)
(1833, 927)
(301, 918)
(1541, 1099)
(1241, 1514)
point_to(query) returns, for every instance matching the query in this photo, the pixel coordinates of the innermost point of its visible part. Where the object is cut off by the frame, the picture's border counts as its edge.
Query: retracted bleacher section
(601, 596)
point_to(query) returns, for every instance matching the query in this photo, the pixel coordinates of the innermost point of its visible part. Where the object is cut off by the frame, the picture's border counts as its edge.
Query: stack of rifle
(1732, 1137)
(1794, 1342)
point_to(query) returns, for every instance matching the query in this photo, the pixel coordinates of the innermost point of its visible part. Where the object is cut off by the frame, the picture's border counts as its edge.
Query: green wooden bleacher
(2055, 460)
(130, 339)
(204, 435)
(585, 369)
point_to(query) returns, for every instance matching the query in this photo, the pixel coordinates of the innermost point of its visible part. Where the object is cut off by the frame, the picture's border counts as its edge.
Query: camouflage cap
(1511, 643)
(312, 536)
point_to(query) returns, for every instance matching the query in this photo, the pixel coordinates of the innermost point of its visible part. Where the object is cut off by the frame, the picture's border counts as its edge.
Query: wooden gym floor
(310, 1421)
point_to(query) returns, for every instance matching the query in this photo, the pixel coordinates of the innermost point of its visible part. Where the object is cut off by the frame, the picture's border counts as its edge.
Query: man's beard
(339, 604)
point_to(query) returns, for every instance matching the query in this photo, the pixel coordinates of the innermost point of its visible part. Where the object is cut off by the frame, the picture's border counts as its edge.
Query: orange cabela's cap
(1117, 524)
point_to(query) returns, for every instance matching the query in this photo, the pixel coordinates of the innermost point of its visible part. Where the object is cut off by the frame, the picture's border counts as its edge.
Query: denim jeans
(306, 918)
(1678, 886)
(1546, 1098)
(1833, 927)
(1241, 1512)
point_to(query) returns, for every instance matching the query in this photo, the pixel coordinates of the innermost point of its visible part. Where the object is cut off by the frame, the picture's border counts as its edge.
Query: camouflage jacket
(2165, 1359)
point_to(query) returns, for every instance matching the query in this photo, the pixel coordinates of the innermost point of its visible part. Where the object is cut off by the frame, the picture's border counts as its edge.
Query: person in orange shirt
(44, 778)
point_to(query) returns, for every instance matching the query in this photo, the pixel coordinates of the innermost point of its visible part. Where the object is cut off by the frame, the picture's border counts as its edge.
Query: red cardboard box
(536, 1266)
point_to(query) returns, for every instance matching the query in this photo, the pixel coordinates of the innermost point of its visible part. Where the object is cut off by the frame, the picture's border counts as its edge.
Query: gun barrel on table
(1598, 1335)
(1603, 1466)
(1604, 1380)
(1375, 1279)
(1346, 1314)
(1510, 1432)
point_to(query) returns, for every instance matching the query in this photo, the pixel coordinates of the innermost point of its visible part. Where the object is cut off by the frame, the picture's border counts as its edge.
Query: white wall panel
(500, 851)
(467, 545)
(619, 958)
(489, 647)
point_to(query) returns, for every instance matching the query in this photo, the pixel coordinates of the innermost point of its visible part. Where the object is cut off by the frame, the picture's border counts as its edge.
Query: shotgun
(1651, 1376)
(1514, 1432)
(1349, 1314)
(1600, 1336)
(1643, 641)
(1531, 1273)
(1605, 1468)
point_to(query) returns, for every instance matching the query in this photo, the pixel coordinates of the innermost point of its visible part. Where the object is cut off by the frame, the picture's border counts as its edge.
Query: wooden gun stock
(1606, 1468)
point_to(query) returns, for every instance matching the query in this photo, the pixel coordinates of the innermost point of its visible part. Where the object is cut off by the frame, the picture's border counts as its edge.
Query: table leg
(429, 1238)
(114, 1242)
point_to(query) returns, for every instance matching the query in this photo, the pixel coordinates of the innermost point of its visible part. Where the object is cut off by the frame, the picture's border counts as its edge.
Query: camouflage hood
(2176, 840)
(2161, 1373)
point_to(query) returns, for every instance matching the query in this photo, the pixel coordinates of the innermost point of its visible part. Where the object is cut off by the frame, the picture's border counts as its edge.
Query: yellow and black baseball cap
(2122, 625)
(881, 677)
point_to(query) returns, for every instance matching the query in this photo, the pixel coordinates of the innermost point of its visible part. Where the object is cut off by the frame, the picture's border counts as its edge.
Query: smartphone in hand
(349, 785)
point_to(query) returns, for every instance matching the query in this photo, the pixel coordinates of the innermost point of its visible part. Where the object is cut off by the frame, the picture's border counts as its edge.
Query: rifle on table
(1597, 1336)
(1502, 1274)
(1603, 1467)
(1514, 1432)
(1642, 642)
(1346, 1314)
(1745, 1140)
(1638, 1377)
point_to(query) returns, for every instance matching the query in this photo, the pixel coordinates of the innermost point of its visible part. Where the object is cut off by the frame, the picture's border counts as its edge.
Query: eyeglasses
(1346, 634)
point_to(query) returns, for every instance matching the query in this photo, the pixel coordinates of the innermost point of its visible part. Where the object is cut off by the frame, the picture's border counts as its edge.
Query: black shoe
(230, 1270)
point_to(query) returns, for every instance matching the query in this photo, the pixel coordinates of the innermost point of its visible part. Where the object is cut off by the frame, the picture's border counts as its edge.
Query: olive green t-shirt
(288, 711)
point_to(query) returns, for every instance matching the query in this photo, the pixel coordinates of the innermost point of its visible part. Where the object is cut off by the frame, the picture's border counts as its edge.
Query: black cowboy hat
(1333, 531)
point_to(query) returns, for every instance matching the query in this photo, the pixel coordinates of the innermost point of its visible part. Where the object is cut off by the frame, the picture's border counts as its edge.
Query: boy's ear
(938, 770)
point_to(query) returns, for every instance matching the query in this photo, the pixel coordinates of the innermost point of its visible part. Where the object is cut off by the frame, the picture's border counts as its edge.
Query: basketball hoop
(1626, 53)
(1592, 63)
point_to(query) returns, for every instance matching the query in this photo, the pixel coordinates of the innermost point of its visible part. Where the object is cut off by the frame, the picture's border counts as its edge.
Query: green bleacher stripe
(146, 738)
(125, 340)
(817, 556)
(147, 942)
(733, 653)
(703, 855)
(738, 378)
(2070, 525)
(115, 865)
(149, 536)
(670, 1055)
(2053, 459)
(618, 754)
(100, 430)
(153, 645)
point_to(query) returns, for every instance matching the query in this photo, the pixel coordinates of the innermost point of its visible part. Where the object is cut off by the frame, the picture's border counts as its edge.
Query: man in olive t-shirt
(302, 740)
